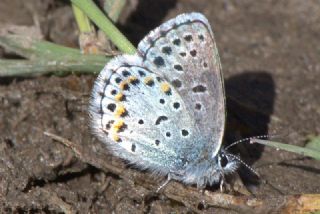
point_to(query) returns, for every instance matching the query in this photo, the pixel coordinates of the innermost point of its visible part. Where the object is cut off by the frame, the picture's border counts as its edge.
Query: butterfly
(163, 108)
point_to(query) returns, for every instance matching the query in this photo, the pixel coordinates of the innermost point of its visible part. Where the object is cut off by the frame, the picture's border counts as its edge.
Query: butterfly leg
(221, 185)
(222, 181)
(171, 176)
(224, 185)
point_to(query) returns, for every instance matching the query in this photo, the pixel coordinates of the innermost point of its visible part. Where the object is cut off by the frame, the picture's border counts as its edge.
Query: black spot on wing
(193, 53)
(158, 61)
(178, 67)
(201, 37)
(114, 92)
(133, 147)
(118, 80)
(176, 83)
(205, 64)
(184, 132)
(176, 42)
(108, 125)
(126, 73)
(111, 107)
(166, 50)
(141, 73)
(176, 105)
(162, 101)
(198, 106)
(199, 89)
(188, 38)
(161, 119)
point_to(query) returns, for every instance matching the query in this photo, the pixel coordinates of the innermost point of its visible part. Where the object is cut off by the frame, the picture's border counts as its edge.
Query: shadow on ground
(250, 99)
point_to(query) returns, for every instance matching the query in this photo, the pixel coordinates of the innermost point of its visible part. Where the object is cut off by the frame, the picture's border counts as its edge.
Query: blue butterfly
(163, 109)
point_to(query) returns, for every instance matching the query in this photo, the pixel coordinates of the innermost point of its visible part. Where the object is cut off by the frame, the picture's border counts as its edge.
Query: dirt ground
(270, 55)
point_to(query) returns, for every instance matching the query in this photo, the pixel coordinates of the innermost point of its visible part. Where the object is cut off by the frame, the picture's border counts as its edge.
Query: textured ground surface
(270, 55)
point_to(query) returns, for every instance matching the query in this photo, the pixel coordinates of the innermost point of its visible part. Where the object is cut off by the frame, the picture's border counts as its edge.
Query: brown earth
(270, 54)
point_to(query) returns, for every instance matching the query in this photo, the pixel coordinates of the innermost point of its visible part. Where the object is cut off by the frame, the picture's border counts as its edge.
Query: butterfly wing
(140, 116)
(163, 107)
(184, 52)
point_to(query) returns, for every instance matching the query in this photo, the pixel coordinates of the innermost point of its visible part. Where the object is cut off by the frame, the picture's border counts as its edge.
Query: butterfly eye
(223, 161)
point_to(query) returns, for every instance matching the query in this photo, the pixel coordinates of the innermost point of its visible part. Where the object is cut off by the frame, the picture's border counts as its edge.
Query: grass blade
(12, 68)
(313, 143)
(82, 20)
(31, 48)
(290, 148)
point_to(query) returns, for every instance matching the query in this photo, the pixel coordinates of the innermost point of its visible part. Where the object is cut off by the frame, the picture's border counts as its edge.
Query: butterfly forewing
(184, 52)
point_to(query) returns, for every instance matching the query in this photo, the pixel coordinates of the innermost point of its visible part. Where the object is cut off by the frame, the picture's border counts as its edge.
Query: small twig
(85, 156)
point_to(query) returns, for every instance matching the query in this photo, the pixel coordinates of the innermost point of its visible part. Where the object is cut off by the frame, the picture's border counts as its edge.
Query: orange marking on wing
(165, 87)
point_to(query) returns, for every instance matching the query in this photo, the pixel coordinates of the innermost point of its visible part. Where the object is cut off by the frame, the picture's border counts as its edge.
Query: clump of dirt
(270, 56)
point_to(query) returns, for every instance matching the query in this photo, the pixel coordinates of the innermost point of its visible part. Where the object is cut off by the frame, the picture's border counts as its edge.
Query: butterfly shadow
(250, 100)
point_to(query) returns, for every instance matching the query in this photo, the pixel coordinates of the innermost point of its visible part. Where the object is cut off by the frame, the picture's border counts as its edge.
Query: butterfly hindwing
(141, 116)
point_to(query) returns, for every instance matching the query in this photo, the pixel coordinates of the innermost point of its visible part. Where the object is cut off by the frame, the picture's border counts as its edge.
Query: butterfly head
(210, 171)
(227, 163)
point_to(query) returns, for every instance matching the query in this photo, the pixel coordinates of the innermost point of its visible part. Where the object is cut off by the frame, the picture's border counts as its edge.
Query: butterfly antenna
(248, 139)
(243, 163)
